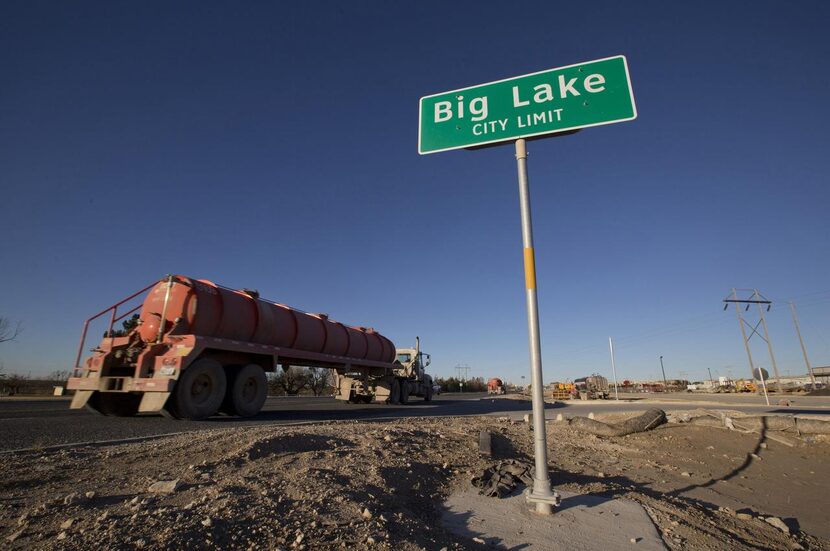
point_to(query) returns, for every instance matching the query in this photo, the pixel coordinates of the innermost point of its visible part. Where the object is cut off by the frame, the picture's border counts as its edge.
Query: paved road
(48, 422)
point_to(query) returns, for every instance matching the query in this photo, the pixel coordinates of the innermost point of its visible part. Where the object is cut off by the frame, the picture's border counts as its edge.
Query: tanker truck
(200, 348)
(495, 386)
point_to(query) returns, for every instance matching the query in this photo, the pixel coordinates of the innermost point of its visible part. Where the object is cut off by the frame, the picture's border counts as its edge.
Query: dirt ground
(381, 485)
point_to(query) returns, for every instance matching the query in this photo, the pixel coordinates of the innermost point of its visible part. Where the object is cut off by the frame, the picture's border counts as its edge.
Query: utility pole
(465, 368)
(760, 300)
(613, 369)
(711, 381)
(803, 348)
(665, 382)
(769, 345)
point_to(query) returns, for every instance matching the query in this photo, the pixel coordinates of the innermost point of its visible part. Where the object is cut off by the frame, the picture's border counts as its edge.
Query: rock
(62, 536)
(778, 523)
(478, 540)
(370, 540)
(89, 495)
(67, 524)
(635, 540)
(207, 522)
(600, 474)
(165, 486)
(743, 516)
(299, 539)
(686, 474)
(366, 513)
(71, 499)
(104, 516)
(591, 415)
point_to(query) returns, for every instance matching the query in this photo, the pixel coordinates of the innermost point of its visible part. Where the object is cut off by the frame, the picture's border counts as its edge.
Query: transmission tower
(465, 368)
(763, 305)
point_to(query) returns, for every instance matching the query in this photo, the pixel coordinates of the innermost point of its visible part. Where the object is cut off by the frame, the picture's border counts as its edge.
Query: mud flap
(344, 389)
(153, 402)
(383, 390)
(80, 398)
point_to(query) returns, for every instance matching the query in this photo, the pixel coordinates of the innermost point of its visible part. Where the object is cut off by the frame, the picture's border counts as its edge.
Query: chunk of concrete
(778, 523)
(165, 486)
(485, 445)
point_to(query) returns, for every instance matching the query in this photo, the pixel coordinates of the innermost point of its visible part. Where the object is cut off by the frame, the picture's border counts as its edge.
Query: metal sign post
(761, 373)
(555, 101)
(542, 495)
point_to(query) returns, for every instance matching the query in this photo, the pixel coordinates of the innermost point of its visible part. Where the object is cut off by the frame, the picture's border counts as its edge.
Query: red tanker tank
(206, 309)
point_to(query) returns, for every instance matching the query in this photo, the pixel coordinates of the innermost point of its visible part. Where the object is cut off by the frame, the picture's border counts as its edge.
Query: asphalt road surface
(41, 423)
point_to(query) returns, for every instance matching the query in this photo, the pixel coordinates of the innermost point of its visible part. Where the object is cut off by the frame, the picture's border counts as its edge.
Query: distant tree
(454, 384)
(58, 376)
(12, 384)
(320, 380)
(9, 330)
(292, 380)
(126, 326)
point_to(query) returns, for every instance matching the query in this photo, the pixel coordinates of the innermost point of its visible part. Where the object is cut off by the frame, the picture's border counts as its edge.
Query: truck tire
(247, 389)
(199, 391)
(114, 404)
(405, 388)
(428, 394)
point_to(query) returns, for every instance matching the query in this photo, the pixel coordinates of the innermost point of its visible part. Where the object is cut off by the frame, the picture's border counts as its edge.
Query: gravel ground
(381, 485)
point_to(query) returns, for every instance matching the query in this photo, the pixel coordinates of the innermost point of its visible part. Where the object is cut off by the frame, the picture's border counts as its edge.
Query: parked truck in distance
(200, 348)
(592, 387)
(495, 386)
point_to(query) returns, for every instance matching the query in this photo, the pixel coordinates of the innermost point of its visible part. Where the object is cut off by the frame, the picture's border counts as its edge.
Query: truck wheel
(114, 404)
(405, 389)
(247, 390)
(199, 391)
(428, 394)
(395, 392)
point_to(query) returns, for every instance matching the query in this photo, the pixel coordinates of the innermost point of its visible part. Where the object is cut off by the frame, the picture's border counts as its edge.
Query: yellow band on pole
(530, 268)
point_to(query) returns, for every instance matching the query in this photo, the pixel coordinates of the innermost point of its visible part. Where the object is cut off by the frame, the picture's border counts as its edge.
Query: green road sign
(577, 96)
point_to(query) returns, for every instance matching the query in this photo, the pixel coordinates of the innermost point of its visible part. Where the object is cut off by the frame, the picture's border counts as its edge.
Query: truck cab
(413, 363)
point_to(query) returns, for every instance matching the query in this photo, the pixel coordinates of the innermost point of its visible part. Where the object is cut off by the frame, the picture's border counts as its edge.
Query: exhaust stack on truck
(200, 348)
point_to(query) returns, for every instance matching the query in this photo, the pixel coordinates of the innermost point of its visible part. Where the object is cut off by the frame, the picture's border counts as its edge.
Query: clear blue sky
(273, 146)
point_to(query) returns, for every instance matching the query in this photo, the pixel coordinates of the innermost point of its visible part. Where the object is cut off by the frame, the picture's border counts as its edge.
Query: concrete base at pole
(580, 522)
